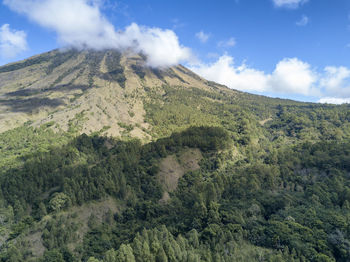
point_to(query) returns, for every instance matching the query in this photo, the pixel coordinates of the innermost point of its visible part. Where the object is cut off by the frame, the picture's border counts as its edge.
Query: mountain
(103, 87)
(106, 87)
(103, 158)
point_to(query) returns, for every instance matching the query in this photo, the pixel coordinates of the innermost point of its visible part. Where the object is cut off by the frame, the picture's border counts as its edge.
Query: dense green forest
(273, 192)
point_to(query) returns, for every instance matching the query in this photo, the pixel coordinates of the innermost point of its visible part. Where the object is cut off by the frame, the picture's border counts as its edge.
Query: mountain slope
(94, 88)
(213, 175)
(105, 88)
(67, 93)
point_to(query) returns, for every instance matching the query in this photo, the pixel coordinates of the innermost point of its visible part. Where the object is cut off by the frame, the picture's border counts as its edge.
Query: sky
(296, 49)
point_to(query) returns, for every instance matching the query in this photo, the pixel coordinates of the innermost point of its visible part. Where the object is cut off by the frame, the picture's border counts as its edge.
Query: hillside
(93, 88)
(105, 159)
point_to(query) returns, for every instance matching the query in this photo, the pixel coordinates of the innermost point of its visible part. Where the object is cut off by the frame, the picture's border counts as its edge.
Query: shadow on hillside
(56, 88)
(29, 105)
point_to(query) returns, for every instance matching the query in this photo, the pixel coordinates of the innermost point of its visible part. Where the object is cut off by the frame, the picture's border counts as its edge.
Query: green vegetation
(18, 144)
(115, 70)
(139, 70)
(127, 127)
(94, 60)
(287, 203)
(60, 59)
(75, 124)
(272, 182)
(28, 62)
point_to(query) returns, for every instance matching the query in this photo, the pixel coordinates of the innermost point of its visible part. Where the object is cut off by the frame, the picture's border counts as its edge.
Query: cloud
(225, 72)
(162, 47)
(231, 42)
(334, 100)
(289, 3)
(304, 20)
(335, 81)
(335, 77)
(77, 23)
(12, 42)
(81, 24)
(203, 37)
(291, 76)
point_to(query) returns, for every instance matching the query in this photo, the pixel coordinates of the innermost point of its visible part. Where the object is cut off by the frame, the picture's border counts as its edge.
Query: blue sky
(297, 49)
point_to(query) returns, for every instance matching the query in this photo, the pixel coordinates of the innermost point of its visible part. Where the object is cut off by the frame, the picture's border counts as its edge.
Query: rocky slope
(86, 90)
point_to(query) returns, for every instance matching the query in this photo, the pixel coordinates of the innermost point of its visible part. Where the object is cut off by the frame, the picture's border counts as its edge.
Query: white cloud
(81, 24)
(12, 42)
(335, 76)
(289, 3)
(225, 72)
(291, 76)
(203, 37)
(304, 20)
(77, 22)
(162, 47)
(334, 100)
(228, 43)
(336, 81)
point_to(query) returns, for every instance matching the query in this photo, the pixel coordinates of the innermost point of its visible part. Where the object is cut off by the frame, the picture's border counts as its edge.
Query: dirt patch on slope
(170, 171)
(190, 159)
(172, 168)
(98, 209)
(263, 122)
(82, 215)
(37, 246)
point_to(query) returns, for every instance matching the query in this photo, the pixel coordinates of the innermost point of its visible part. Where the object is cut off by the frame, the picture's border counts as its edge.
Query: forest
(285, 198)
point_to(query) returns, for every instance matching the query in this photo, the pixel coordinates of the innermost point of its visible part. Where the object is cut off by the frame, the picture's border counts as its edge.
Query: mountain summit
(95, 88)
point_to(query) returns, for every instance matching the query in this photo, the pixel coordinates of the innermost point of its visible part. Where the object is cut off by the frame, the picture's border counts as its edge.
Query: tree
(125, 254)
(59, 201)
(111, 256)
(92, 259)
(53, 256)
(161, 256)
